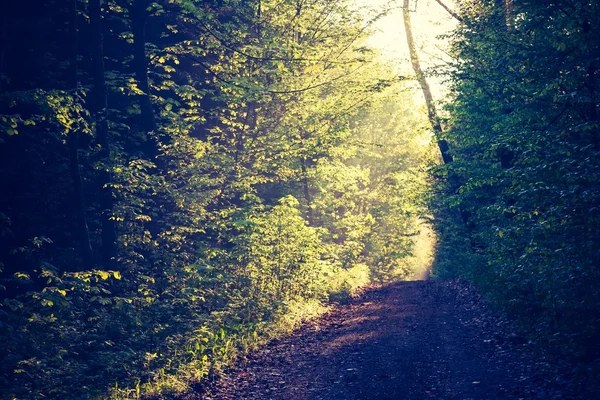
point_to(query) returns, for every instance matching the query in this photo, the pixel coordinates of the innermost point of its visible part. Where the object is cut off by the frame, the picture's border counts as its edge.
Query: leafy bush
(521, 214)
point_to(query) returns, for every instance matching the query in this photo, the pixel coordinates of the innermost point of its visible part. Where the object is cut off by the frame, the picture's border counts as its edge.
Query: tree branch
(455, 15)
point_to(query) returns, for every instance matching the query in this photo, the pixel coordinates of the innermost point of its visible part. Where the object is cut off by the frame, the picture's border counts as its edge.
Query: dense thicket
(524, 132)
(179, 177)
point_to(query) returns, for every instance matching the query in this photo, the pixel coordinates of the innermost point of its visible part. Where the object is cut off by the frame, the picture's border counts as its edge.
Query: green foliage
(269, 164)
(279, 257)
(524, 187)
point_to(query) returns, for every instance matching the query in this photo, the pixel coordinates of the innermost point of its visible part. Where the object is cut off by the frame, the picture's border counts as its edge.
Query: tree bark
(3, 39)
(592, 109)
(416, 65)
(109, 247)
(506, 9)
(455, 15)
(508, 14)
(307, 196)
(303, 159)
(139, 16)
(82, 230)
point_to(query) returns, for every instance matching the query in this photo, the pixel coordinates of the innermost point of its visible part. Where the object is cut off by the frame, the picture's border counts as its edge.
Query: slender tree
(3, 40)
(73, 142)
(506, 11)
(139, 17)
(109, 248)
(416, 65)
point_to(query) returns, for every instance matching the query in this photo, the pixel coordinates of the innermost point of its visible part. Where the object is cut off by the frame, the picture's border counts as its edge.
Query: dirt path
(411, 340)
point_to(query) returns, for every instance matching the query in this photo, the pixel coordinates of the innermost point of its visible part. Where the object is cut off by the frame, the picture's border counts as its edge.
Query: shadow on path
(410, 340)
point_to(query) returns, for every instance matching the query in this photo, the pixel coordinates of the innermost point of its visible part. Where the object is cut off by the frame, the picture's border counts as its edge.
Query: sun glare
(429, 21)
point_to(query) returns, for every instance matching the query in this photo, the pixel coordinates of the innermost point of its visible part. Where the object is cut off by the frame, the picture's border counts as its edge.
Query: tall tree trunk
(416, 64)
(83, 231)
(504, 7)
(506, 14)
(307, 196)
(3, 38)
(303, 159)
(139, 16)
(592, 108)
(109, 246)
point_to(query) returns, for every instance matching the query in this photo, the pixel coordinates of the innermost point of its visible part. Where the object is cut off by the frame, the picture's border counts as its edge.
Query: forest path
(409, 340)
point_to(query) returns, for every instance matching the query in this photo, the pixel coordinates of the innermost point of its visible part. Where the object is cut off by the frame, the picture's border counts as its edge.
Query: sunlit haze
(429, 20)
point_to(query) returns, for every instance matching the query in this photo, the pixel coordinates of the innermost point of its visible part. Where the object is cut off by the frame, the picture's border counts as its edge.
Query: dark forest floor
(409, 340)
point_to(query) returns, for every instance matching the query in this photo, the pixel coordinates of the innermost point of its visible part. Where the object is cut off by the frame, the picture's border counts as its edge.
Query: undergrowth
(230, 344)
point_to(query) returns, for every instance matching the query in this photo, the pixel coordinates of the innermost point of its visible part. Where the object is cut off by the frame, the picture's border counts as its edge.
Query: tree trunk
(139, 16)
(82, 230)
(3, 39)
(307, 196)
(303, 164)
(592, 108)
(85, 246)
(445, 7)
(109, 247)
(416, 64)
(506, 13)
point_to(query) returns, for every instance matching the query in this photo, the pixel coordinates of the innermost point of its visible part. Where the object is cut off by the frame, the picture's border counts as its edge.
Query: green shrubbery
(200, 178)
(521, 214)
